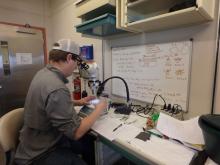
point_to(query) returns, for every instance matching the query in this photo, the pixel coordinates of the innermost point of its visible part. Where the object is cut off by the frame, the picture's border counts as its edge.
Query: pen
(117, 127)
(155, 134)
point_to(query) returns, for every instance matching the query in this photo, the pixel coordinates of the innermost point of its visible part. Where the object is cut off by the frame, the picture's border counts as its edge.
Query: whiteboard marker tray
(103, 25)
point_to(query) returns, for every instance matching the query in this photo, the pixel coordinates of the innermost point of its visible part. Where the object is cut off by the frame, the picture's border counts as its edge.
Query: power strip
(178, 116)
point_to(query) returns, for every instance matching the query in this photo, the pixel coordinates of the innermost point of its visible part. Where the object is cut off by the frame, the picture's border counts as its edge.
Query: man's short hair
(57, 55)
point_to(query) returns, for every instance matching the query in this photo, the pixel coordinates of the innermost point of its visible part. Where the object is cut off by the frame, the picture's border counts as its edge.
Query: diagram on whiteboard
(154, 69)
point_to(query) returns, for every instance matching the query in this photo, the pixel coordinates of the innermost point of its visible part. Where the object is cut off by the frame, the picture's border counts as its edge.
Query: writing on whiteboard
(153, 69)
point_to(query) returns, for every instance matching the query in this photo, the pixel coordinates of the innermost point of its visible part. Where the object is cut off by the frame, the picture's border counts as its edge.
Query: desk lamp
(124, 109)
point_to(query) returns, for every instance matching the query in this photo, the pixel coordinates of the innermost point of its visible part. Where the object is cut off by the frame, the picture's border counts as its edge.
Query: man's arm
(60, 112)
(88, 121)
(62, 116)
(83, 101)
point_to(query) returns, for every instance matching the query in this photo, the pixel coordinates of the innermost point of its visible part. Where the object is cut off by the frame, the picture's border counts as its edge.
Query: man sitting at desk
(50, 120)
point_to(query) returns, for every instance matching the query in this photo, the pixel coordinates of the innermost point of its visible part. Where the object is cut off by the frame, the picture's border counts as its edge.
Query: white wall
(62, 24)
(22, 12)
(63, 20)
(32, 12)
(56, 16)
(203, 59)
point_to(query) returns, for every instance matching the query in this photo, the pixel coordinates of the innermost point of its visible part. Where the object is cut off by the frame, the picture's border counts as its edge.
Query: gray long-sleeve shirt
(49, 114)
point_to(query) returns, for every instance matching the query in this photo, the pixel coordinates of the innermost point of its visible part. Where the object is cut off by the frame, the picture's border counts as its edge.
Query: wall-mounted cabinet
(98, 17)
(101, 26)
(152, 15)
(88, 9)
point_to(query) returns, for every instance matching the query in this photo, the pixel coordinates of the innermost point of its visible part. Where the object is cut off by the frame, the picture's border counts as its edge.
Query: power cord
(149, 109)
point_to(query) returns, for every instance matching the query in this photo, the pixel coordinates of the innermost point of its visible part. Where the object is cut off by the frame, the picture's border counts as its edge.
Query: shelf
(98, 12)
(91, 5)
(104, 25)
(182, 18)
(150, 8)
(136, 3)
(153, 15)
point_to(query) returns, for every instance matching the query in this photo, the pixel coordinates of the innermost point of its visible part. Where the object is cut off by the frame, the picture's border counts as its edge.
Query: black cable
(177, 109)
(141, 109)
(163, 99)
(125, 109)
(142, 116)
(182, 115)
(180, 110)
(148, 109)
(153, 101)
(133, 106)
(102, 85)
(151, 112)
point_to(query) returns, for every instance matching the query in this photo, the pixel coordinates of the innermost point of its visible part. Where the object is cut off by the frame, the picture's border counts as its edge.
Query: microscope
(91, 76)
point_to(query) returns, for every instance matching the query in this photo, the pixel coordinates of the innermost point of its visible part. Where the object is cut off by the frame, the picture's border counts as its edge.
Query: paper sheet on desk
(162, 151)
(105, 127)
(128, 132)
(186, 131)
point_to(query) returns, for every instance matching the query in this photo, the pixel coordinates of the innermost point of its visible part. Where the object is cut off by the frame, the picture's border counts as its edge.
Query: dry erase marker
(117, 127)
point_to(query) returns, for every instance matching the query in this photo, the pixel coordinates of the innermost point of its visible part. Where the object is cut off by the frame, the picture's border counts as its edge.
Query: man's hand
(102, 105)
(87, 122)
(84, 101)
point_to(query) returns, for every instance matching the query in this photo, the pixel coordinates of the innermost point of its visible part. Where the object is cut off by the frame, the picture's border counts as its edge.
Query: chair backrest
(10, 124)
(2, 156)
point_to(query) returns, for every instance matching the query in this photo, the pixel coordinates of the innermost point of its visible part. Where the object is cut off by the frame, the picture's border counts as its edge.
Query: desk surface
(153, 151)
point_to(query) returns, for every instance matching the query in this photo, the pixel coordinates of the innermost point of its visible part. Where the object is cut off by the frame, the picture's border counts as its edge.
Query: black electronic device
(116, 104)
(85, 111)
(124, 109)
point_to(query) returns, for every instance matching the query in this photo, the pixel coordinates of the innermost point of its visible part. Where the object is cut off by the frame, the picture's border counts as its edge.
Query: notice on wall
(24, 58)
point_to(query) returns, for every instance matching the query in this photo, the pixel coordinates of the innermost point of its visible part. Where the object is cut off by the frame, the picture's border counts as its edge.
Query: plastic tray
(103, 25)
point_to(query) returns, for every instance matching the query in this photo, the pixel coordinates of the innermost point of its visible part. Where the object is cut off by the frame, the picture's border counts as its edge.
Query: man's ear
(68, 57)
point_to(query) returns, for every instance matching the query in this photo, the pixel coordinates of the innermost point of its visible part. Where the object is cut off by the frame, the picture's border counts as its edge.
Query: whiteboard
(151, 69)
